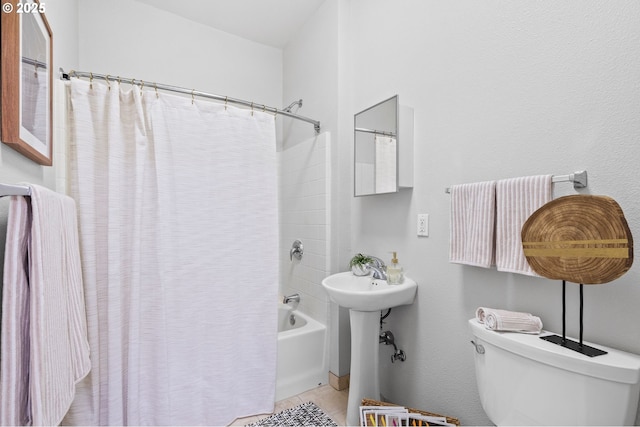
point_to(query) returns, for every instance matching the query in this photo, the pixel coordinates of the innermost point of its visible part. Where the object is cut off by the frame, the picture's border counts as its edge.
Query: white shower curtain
(178, 223)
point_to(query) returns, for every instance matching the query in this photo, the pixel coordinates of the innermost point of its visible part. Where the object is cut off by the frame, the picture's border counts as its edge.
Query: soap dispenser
(395, 273)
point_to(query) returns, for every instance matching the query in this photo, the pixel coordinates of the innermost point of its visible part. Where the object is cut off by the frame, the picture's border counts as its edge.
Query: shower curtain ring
(155, 85)
(107, 80)
(141, 86)
(251, 109)
(90, 80)
(226, 98)
(192, 96)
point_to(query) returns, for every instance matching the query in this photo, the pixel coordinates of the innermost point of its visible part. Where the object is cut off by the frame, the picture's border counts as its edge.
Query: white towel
(472, 237)
(386, 177)
(516, 200)
(509, 321)
(43, 324)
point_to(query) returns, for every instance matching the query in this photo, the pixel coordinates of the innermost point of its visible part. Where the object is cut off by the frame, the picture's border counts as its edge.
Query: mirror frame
(356, 129)
(12, 132)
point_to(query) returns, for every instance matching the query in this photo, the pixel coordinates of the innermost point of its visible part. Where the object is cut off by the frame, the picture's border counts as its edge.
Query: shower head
(290, 106)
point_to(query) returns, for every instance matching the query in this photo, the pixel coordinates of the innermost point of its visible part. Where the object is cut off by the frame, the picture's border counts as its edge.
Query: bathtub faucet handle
(296, 251)
(295, 298)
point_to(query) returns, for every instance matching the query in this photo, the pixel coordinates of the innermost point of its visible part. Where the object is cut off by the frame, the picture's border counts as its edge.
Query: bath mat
(307, 414)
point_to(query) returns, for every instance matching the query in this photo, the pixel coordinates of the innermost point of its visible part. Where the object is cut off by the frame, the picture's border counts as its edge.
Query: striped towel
(516, 200)
(44, 351)
(14, 347)
(509, 321)
(472, 240)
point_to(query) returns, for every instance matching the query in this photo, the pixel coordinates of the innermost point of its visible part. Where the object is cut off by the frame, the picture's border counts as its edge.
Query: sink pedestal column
(365, 297)
(365, 380)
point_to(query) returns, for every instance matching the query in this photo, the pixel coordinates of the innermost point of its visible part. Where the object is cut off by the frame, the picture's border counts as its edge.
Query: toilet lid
(579, 238)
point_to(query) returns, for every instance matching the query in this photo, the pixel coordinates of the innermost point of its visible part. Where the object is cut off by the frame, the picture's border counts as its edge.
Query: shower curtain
(177, 210)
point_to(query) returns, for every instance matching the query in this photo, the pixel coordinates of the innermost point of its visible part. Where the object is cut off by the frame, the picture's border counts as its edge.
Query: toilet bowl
(524, 380)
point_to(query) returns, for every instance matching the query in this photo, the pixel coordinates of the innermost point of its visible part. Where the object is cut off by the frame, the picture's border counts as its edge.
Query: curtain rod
(578, 178)
(185, 91)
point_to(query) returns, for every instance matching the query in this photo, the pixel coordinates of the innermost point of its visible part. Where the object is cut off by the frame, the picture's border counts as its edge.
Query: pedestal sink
(365, 297)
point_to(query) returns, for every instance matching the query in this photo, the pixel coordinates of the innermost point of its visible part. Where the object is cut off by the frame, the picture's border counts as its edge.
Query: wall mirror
(27, 80)
(376, 149)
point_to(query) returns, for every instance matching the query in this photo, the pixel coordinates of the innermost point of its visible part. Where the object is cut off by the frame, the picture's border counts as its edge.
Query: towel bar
(14, 190)
(578, 178)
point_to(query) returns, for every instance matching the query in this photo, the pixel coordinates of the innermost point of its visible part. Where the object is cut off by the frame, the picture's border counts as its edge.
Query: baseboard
(339, 383)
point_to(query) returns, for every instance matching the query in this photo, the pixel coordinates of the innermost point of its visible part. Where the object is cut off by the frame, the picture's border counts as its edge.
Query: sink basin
(363, 293)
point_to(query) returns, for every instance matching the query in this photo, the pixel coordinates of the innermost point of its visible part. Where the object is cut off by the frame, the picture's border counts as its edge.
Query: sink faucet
(378, 268)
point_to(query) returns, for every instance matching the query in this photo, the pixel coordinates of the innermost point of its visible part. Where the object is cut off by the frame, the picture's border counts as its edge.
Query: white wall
(313, 70)
(310, 70)
(132, 39)
(500, 89)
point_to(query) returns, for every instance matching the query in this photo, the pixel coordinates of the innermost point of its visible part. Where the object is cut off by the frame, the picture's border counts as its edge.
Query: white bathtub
(301, 353)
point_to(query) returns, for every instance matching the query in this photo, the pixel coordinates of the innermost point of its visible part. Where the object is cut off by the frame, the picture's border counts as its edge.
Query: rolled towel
(509, 321)
(480, 314)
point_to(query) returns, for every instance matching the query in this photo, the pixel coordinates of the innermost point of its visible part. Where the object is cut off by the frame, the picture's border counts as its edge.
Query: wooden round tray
(579, 238)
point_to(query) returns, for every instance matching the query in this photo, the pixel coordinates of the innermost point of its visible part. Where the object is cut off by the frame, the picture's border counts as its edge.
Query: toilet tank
(524, 380)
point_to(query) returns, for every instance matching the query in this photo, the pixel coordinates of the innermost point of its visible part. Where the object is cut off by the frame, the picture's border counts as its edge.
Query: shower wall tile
(304, 202)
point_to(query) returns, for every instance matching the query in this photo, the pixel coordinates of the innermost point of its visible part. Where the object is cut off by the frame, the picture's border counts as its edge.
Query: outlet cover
(423, 225)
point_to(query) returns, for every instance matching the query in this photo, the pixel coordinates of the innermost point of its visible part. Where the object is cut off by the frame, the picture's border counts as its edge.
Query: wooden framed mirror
(27, 80)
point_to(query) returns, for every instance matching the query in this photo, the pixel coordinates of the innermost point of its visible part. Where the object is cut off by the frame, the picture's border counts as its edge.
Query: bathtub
(301, 353)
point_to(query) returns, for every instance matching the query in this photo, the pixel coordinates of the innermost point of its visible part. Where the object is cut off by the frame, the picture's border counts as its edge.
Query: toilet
(524, 380)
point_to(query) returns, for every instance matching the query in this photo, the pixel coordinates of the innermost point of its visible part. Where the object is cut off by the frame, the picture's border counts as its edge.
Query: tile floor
(330, 400)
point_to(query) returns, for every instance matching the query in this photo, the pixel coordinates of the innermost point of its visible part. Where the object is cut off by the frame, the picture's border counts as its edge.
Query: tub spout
(295, 298)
